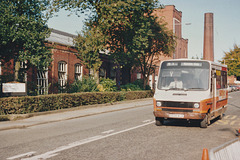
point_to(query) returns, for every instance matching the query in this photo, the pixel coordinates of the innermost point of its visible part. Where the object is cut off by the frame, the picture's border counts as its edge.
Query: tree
(151, 40)
(89, 45)
(232, 60)
(91, 41)
(23, 31)
(133, 36)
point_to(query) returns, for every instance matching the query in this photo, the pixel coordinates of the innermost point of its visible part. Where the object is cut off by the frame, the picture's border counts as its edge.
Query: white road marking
(146, 121)
(22, 155)
(107, 132)
(81, 142)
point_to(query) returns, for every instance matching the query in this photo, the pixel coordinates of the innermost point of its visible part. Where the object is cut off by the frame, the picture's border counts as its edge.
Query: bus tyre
(221, 115)
(159, 121)
(204, 123)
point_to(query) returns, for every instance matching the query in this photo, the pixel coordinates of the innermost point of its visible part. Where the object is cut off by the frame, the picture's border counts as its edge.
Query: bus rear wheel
(159, 121)
(221, 114)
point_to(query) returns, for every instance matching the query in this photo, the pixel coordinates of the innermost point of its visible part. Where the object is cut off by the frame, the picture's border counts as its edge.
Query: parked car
(234, 87)
(237, 87)
(230, 89)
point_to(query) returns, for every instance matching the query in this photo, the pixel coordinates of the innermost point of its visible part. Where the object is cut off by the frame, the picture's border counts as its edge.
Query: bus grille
(176, 110)
(177, 104)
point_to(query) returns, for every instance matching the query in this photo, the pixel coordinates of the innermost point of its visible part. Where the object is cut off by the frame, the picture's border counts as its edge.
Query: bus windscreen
(184, 75)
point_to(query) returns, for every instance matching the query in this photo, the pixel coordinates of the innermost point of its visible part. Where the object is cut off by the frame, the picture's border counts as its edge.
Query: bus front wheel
(159, 121)
(205, 122)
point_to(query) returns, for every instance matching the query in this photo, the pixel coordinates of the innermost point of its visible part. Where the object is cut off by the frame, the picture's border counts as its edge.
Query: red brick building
(66, 68)
(231, 80)
(173, 18)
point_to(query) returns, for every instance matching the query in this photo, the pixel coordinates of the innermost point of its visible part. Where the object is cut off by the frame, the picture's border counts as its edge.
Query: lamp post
(228, 60)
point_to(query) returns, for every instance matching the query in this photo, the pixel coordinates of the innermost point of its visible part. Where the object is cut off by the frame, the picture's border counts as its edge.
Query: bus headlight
(196, 105)
(159, 104)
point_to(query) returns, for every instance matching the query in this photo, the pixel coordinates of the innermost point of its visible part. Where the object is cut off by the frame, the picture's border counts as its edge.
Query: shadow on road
(234, 105)
(181, 123)
(185, 123)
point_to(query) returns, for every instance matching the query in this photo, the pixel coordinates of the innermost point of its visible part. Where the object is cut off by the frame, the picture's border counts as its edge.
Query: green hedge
(31, 104)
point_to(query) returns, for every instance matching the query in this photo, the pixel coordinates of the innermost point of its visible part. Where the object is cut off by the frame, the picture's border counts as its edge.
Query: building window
(177, 27)
(23, 71)
(78, 72)
(42, 78)
(62, 74)
(102, 73)
(139, 75)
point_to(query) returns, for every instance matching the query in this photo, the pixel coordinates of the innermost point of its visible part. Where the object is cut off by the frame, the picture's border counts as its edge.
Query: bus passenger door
(214, 92)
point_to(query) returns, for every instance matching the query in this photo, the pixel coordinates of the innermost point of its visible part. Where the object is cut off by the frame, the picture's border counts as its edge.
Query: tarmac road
(120, 131)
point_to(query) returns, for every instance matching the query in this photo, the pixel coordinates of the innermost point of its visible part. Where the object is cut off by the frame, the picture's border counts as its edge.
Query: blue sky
(226, 24)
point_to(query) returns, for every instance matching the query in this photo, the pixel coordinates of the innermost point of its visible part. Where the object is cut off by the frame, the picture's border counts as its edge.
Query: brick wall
(63, 54)
(231, 79)
(173, 18)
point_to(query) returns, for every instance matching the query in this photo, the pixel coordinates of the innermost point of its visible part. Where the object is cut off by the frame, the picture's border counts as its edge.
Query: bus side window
(218, 79)
(224, 79)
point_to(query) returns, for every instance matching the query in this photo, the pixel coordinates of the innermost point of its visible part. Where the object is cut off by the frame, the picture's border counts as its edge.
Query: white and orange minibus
(191, 90)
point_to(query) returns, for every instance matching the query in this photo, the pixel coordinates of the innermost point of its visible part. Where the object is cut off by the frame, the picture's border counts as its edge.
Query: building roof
(61, 37)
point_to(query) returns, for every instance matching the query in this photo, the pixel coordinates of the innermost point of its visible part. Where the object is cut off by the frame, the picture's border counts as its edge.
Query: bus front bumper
(179, 115)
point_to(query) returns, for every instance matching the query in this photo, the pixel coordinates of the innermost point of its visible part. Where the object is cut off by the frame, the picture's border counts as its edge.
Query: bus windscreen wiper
(175, 89)
(195, 88)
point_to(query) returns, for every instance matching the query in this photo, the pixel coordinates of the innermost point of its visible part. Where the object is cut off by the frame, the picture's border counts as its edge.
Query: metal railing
(227, 151)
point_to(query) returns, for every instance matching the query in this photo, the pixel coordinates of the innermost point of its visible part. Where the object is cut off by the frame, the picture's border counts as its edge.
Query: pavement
(34, 119)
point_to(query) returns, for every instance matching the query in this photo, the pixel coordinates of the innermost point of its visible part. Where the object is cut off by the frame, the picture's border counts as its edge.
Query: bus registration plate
(176, 115)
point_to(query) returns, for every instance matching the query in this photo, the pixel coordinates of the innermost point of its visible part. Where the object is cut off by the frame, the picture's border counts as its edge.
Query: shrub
(31, 104)
(130, 87)
(139, 82)
(138, 95)
(87, 84)
(135, 86)
(108, 84)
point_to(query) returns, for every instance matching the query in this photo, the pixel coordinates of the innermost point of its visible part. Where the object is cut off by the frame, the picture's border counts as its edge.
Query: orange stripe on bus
(208, 104)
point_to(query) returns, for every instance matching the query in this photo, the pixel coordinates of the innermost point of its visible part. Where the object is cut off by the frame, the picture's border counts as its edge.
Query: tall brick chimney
(208, 47)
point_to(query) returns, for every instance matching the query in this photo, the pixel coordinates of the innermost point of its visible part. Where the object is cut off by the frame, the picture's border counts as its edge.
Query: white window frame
(42, 78)
(178, 25)
(139, 75)
(78, 72)
(23, 65)
(62, 74)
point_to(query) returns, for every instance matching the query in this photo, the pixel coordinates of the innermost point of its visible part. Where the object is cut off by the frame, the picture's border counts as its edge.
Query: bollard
(205, 154)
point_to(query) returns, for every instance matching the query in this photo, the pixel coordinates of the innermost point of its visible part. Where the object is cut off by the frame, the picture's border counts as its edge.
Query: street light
(228, 60)
(187, 24)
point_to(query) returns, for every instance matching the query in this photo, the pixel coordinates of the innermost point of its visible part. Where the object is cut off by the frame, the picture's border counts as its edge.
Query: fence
(227, 151)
